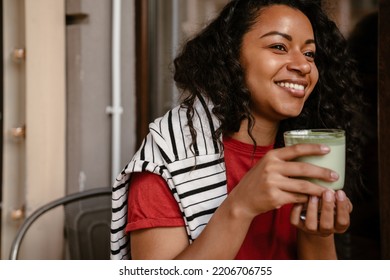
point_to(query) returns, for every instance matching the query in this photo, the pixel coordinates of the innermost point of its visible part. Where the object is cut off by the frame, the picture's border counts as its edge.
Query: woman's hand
(334, 217)
(276, 180)
(315, 234)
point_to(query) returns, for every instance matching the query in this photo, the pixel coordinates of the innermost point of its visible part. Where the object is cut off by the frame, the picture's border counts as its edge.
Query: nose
(299, 63)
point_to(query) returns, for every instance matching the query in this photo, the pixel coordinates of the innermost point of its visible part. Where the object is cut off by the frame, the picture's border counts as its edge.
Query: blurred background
(82, 79)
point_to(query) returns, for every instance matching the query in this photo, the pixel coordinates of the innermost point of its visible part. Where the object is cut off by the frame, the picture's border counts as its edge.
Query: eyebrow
(286, 36)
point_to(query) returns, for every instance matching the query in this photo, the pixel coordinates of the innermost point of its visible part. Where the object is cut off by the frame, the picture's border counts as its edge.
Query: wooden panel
(45, 121)
(14, 114)
(384, 125)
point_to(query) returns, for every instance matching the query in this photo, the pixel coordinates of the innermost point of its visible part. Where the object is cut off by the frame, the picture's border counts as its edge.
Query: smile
(291, 86)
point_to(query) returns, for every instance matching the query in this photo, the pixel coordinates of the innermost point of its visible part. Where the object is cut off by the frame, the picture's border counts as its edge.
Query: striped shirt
(195, 175)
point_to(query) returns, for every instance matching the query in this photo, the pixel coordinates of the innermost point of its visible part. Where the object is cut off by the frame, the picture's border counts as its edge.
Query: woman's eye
(310, 54)
(279, 47)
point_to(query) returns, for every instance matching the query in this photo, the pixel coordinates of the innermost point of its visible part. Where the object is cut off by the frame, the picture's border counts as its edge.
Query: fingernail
(328, 196)
(340, 195)
(334, 175)
(325, 148)
(314, 199)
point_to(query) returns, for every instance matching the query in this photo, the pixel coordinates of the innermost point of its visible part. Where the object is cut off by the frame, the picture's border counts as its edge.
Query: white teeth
(291, 85)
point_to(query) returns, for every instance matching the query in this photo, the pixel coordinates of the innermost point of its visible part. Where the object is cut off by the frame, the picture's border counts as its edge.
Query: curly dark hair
(208, 66)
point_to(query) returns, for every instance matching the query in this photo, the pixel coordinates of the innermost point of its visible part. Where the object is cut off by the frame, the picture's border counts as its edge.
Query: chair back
(86, 228)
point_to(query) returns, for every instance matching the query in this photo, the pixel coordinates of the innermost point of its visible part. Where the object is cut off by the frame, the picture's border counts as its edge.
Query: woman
(212, 180)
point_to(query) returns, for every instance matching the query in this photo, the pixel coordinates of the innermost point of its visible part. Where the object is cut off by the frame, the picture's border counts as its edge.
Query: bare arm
(227, 226)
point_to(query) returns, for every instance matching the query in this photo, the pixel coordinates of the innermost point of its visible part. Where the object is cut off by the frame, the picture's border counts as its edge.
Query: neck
(264, 134)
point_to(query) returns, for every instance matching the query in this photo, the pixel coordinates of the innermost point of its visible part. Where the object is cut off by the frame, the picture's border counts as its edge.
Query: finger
(343, 209)
(299, 150)
(294, 198)
(311, 221)
(295, 216)
(308, 170)
(327, 212)
(302, 186)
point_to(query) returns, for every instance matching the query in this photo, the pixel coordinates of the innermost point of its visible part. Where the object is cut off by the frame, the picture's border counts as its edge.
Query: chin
(291, 112)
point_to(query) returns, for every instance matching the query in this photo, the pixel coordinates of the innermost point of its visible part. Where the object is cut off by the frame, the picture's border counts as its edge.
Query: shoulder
(172, 132)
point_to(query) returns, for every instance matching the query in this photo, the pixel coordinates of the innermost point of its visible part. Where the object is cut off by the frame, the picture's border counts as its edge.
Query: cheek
(261, 70)
(314, 76)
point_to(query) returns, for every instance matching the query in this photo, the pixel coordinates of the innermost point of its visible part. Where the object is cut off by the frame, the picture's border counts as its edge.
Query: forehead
(284, 19)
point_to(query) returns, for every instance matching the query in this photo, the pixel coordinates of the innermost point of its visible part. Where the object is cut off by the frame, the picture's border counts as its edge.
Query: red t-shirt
(270, 236)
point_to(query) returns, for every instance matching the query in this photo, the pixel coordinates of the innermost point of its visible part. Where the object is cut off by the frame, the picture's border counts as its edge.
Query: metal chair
(75, 238)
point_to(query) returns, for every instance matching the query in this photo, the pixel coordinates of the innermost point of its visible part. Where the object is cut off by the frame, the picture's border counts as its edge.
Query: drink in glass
(334, 160)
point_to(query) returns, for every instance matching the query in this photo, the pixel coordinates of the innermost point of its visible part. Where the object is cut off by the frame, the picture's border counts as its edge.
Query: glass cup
(334, 160)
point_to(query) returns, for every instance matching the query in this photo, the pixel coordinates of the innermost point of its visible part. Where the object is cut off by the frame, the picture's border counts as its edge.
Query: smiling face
(277, 56)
